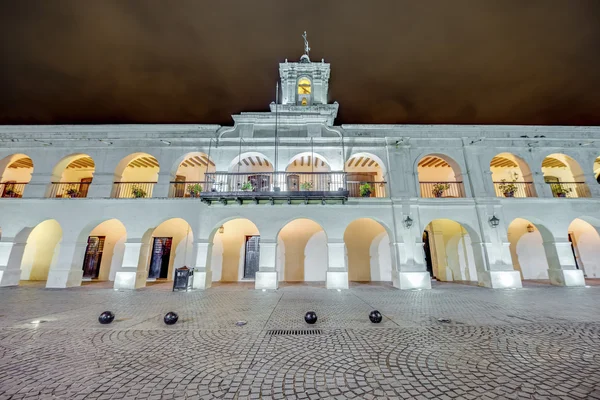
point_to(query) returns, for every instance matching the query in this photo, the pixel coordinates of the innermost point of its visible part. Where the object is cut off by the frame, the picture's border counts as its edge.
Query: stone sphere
(171, 318)
(106, 317)
(310, 317)
(375, 317)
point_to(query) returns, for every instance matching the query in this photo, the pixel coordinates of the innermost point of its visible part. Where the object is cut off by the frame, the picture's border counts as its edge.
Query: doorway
(427, 250)
(93, 257)
(161, 254)
(251, 260)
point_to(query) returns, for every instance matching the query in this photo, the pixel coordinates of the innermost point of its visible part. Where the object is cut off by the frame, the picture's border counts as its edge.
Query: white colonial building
(287, 195)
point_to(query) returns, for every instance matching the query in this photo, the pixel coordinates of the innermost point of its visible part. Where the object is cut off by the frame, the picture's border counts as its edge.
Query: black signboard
(183, 279)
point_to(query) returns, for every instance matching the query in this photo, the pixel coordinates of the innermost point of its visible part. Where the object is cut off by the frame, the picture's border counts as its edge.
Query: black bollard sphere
(375, 317)
(106, 317)
(171, 318)
(310, 317)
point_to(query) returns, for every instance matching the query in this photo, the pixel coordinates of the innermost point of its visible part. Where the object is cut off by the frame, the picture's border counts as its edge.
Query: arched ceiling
(433, 162)
(361, 161)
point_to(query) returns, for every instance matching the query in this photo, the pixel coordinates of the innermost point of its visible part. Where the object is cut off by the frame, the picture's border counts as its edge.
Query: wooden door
(93, 257)
(161, 255)
(252, 256)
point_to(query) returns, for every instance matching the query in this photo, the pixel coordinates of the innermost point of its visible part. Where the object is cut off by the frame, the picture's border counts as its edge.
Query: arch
(190, 169)
(137, 170)
(72, 175)
(308, 162)
(105, 248)
(228, 255)
(364, 168)
(40, 253)
(585, 244)
(251, 161)
(564, 175)
(452, 251)
(439, 176)
(596, 168)
(507, 169)
(531, 248)
(366, 261)
(15, 173)
(305, 256)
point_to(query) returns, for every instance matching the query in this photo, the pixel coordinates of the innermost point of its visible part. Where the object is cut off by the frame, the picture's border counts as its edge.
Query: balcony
(569, 189)
(69, 189)
(378, 188)
(442, 189)
(522, 189)
(12, 189)
(129, 190)
(187, 189)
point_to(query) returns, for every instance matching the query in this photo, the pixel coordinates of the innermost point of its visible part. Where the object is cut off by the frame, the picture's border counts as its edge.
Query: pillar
(593, 187)
(562, 269)
(129, 275)
(39, 185)
(10, 262)
(337, 271)
(411, 270)
(266, 276)
(498, 271)
(202, 268)
(102, 185)
(541, 187)
(161, 189)
(68, 269)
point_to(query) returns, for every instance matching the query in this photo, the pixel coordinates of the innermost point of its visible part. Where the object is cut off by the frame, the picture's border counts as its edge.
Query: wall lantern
(221, 229)
(408, 222)
(530, 228)
(494, 221)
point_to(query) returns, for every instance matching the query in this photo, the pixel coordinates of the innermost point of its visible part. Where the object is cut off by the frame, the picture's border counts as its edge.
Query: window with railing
(514, 189)
(569, 189)
(442, 189)
(69, 189)
(128, 190)
(12, 189)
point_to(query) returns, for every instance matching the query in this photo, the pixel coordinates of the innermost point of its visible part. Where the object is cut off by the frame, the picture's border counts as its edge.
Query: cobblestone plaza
(537, 342)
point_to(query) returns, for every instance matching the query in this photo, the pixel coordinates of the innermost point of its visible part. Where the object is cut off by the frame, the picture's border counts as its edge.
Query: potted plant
(365, 190)
(509, 188)
(10, 193)
(195, 190)
(246, 187)
(439, 188)
(72, 193)
(138, 192)
(561, 191)
(306, 186)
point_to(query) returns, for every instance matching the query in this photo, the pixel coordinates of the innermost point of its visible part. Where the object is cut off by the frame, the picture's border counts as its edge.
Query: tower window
(304, 86)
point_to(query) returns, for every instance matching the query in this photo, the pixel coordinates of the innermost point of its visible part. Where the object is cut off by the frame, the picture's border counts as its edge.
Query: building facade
(287, 195)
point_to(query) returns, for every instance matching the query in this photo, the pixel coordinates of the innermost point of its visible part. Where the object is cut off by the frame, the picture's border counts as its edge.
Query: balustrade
(127, 190)
(442, 189)
(521, 189)
(377, 188)
(69, 189)
(569, 189)
(12, 189)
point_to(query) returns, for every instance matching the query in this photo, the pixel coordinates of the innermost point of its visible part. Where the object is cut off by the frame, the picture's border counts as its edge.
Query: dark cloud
(393, 61)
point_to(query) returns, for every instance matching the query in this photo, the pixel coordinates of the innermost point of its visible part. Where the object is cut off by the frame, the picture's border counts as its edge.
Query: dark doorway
(427, 250)
(573, 250)
(161, 254)
(260, 183)
(84, 186)
(293, 183)
(93, 257)
(251, 261)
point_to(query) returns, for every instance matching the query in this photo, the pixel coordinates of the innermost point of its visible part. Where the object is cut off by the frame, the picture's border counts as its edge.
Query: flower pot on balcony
(366, 194)
(509, 194)
(438, 194)
(561, 195)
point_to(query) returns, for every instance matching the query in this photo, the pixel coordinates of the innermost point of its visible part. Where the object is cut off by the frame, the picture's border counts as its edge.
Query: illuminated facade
(287, 195)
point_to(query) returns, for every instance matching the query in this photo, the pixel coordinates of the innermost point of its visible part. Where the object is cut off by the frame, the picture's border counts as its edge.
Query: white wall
(315, 258)
(381, 258)
(587, 247)
(527, 250)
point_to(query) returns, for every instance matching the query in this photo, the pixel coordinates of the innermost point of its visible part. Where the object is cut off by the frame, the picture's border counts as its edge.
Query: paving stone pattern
(540, 342)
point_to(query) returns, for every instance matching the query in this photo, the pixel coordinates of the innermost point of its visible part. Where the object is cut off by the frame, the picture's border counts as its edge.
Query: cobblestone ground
(535, 343)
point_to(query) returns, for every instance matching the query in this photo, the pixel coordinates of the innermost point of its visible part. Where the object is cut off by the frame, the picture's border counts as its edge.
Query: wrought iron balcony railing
(187, 189)
(521, 189)
(128, 190)
(69, 189)
(275, 181)
(442, 189)
(12, 189)
(377, 188)
(569, 189)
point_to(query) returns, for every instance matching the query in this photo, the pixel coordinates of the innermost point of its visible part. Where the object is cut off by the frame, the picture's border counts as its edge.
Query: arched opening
(15, 173)
(72, 176)
(170, 246)
(302, 252)
(440, 176)
(310, 172)
(304, 91)
(190, 178)
(135, 176)
(365, 176)
(41, 251)
(249, 172)
(104, 250)
(527, 250)
(235, 251)
(565, 176)
(511, 176)
(597, 169)
(368, 251)
(585, 244)
(451, 251)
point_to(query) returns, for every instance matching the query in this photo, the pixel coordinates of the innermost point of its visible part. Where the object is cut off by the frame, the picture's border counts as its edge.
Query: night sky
(393, 61)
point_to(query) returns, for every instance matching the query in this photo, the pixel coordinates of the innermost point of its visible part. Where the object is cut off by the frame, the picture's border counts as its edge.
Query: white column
(10, 257)
(592, 184)
(412, 270)
(497, 270)
(266, 276)
(541, 187)
(337, 271)
(161, 189)
(102, 185)
(562, 268)
(38, 186)
(202, 268)
(129, 275)
(67, 271)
